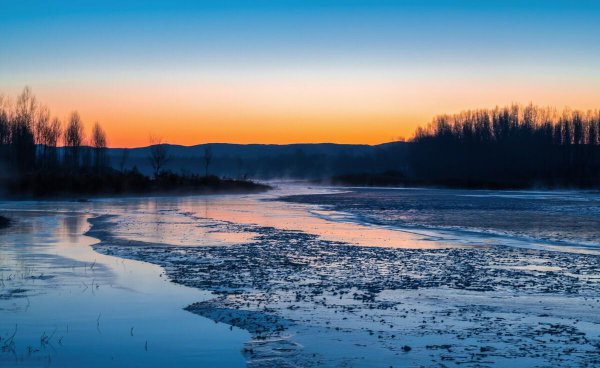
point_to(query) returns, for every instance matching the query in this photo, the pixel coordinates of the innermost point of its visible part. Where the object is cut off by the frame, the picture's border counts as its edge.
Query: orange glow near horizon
(279, 72)
(289, 109)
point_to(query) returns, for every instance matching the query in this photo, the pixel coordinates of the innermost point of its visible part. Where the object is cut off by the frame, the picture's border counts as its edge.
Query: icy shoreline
(63, 304)
(309, 287)
(311, 302)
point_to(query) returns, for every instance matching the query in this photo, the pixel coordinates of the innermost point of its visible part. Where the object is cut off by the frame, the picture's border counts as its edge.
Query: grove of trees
(42, 156)
(512, 146)
(30, 139)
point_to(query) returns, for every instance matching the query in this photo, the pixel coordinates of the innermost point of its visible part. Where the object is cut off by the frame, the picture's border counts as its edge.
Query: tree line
(506, 147)
(30, 139)
(42, 156)
(512, 146)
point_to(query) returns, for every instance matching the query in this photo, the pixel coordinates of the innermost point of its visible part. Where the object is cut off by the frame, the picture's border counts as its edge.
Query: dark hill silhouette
(268, 161)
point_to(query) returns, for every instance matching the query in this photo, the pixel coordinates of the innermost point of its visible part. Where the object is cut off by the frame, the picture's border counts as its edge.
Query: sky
(294, 71)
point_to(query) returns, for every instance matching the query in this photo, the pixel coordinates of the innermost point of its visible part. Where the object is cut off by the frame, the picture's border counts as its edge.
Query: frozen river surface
(304, 277)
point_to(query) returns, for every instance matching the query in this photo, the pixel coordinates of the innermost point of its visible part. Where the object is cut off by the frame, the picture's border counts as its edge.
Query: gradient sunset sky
(294, 71)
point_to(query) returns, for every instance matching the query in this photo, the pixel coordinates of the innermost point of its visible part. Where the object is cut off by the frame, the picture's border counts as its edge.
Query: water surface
(69, 306)
(63, 303)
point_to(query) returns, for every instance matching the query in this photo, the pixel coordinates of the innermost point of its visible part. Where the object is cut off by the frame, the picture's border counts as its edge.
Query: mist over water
(83, 303)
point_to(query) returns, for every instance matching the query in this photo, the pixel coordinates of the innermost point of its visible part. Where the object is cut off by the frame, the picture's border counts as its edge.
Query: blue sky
(89, 44)
(310, 31)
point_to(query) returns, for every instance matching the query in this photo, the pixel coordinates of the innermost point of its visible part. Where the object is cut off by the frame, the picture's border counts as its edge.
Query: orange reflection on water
(305, 218)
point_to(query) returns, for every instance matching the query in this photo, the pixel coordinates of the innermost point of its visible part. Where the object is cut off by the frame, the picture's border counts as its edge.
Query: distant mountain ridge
(264, 161)
(255, 150)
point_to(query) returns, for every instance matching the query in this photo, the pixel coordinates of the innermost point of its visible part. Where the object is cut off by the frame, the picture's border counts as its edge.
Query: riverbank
(63, 184)
(308, 301)
(307, 284)
(375, 306)
(63, 304)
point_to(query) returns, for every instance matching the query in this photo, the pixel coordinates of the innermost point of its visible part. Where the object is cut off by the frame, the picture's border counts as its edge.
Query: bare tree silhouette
(22, 137)
(159, 155)
(51, 138)
(41, 124)
(99, 144)
(5, 122)
(74, 137)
